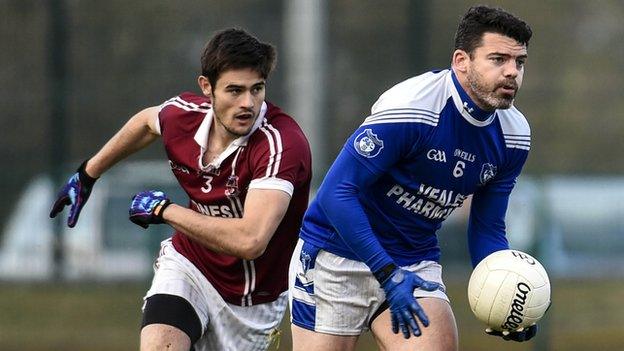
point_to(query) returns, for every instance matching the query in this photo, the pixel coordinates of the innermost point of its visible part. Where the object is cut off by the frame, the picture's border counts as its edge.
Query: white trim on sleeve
(273, 183)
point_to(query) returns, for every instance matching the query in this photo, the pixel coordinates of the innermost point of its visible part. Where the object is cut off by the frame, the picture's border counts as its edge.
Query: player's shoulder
(187, 101)
(278, 127)
(274, 114)
(417, 101)
(182, 113)
(515, 127)
(276, 118)
(428, 91)
(514, 122)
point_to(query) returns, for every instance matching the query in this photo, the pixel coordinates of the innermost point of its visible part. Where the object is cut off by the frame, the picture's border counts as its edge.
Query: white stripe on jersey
(407, 110)
(518, 141)
(250, 282)
(252, 288)
(276, 150)
(203, 105)
(272, 149)
(185, 105)
(404, 115)
(516, 130)
(280, 148)
(402, 120)
(246, 290)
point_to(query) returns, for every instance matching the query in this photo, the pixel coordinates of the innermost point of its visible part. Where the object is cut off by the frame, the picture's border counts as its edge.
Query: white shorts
(224, 326)
(335, 295)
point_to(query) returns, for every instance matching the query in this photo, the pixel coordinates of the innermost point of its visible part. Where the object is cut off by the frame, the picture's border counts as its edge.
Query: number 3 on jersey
(458, 171)
(206, 189)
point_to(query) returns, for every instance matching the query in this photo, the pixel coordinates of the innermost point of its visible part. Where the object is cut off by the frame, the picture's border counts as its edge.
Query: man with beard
(220, 282)
(368, 254)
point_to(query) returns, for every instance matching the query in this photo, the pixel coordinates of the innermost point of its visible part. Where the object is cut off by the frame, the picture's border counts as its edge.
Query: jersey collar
(201, 137)
(468, 109)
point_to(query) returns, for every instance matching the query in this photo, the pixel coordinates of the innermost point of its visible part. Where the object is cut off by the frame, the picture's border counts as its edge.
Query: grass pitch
(586, 315)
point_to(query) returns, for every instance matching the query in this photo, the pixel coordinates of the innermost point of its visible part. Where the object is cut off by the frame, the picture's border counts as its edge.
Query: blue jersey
(423, 150)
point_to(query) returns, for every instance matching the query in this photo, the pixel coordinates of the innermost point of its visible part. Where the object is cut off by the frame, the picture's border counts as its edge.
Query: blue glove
(520, 335)
(399, 286)
(147, 208)
(75, 193)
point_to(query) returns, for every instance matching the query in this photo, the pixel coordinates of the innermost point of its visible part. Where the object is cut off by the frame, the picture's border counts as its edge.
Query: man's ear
(204, 85)
(460, 60)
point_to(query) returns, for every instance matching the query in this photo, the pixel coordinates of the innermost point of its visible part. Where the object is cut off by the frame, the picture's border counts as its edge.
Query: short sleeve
(281, 159)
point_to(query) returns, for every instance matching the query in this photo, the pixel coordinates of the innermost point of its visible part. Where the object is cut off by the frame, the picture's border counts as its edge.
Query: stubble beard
(231, 131)
(485, 95)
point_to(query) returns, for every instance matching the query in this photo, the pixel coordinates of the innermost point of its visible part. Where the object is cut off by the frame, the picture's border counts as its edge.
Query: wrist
(159, 210)
(383, 274)
(85, 178)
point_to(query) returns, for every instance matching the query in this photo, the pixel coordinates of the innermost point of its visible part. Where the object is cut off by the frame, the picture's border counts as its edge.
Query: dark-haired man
(220, 282)
(368, 252)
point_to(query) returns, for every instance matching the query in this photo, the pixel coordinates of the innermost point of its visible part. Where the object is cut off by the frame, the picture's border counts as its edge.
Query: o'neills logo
(516, 316)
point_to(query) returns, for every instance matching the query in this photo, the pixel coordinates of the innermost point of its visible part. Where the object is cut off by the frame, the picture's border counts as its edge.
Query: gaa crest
(368, 144)
(488, 171)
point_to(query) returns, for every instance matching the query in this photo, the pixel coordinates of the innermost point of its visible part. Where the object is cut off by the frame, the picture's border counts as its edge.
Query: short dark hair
(234, 48)
(481, 19)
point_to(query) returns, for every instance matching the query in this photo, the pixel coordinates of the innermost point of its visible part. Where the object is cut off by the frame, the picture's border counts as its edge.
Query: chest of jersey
(457, 156)
(218, 192)
(451, 163)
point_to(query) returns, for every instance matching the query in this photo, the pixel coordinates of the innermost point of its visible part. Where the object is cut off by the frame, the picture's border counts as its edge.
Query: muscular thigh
(440, 335)
(308, 340)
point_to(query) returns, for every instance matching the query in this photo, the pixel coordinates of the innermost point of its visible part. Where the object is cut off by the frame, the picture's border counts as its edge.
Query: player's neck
(219, 137)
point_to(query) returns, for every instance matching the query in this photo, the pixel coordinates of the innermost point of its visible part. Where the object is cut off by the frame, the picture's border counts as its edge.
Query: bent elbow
(253, 249)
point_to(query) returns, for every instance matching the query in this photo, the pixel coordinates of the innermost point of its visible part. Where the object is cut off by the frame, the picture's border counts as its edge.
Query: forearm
(135, 135)
(231, 236)
(486, 226)
(341, 205)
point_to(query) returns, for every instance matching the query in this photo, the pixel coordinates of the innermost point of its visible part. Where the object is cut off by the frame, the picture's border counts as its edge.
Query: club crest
(488, 171)
(368, 144)
(231, 186)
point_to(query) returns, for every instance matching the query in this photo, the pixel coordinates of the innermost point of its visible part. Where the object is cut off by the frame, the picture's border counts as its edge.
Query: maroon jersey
(274, 155)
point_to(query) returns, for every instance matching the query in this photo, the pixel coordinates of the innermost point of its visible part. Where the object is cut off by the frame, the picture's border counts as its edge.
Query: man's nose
(247, 100)
(511, 69)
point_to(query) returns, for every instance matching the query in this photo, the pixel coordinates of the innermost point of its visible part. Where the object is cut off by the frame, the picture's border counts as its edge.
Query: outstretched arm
(137, 133)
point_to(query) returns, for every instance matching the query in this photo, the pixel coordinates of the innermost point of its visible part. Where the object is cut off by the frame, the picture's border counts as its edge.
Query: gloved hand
(75, 193)
(399, 286)
(147, 208)
(520, 335)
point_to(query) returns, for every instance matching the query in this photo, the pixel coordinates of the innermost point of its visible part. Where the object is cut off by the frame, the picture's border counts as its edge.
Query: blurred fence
(120, 56)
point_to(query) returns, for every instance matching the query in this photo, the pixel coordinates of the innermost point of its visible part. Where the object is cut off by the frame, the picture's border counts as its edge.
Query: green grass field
(106, 317)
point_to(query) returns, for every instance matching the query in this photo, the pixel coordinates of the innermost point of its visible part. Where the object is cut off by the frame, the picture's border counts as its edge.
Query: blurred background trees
(123, 56)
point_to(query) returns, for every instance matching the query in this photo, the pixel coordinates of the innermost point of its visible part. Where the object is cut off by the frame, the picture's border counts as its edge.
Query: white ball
(509, 289)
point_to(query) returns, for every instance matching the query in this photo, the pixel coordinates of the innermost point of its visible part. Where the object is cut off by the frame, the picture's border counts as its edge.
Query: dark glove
(147, 208)
(399, 286)
(75, 193)
(520, 335)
